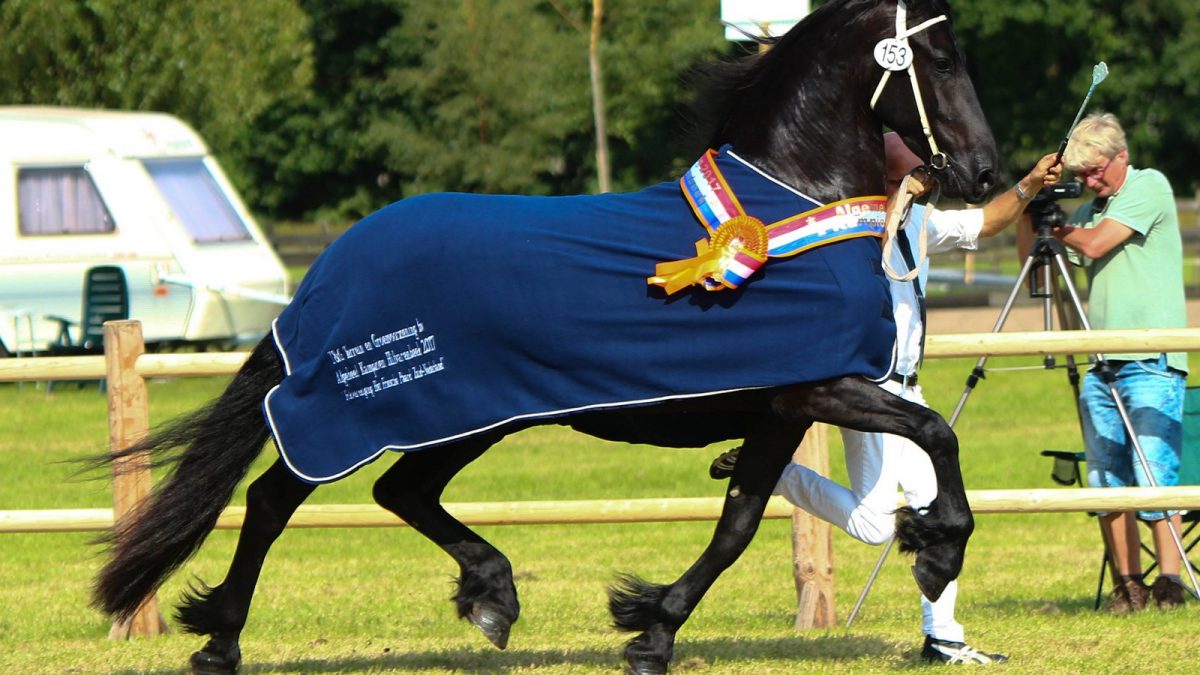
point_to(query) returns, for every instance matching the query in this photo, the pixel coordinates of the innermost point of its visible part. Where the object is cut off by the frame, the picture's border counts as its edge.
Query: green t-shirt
(1138, 284)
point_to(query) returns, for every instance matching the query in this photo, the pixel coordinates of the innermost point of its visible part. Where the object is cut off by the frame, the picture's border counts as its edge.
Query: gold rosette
(740, 234)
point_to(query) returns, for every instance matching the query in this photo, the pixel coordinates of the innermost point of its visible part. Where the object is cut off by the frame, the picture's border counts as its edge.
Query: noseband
(894, 54)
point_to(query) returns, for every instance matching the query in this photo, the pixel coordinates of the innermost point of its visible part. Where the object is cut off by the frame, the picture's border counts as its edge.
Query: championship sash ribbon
(738, 244)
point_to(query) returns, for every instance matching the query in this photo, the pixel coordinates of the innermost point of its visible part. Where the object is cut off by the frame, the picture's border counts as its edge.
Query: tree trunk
(603, 171)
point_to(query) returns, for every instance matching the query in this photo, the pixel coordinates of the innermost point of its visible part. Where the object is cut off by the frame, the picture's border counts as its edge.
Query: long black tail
(208, 453)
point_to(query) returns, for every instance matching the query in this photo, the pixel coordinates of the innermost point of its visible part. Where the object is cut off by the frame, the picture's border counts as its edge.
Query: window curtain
(60, 201)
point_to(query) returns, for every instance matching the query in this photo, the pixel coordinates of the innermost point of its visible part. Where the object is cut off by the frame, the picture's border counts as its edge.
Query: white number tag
(893, 54)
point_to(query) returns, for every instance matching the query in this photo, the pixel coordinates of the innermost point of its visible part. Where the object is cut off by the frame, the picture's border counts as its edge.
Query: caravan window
(197, 199)
(60, 200)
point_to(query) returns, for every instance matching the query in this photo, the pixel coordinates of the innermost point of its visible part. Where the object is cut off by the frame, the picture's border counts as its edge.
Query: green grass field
(375, 600)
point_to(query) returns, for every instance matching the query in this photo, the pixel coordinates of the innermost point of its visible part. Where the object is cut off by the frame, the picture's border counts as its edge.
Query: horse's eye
(943, 65)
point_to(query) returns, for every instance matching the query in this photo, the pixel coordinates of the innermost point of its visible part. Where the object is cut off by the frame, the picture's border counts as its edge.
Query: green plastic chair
(105, 298)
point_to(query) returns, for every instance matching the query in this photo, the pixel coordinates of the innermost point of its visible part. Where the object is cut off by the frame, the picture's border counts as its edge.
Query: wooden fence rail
(589, 511)
(125, 367)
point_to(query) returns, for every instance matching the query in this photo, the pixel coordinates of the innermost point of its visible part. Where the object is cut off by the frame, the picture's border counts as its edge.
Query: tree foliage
(337, 108)
(477, 95)
(1033, 65)
(216, 63)
(308, 155)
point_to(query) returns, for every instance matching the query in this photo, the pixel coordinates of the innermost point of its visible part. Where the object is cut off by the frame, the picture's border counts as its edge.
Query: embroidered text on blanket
(738, 244)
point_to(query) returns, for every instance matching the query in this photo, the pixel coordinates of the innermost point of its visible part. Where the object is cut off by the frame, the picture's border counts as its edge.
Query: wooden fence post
(128, 423)
(812, 544)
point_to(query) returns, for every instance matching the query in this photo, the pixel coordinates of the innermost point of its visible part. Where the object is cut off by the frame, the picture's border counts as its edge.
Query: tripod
(1044, 267)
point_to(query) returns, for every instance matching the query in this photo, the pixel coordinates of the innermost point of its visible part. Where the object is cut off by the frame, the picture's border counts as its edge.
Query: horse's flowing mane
(725, 86)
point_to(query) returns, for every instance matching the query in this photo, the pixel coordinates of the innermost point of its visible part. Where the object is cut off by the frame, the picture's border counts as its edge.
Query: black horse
(810, 113)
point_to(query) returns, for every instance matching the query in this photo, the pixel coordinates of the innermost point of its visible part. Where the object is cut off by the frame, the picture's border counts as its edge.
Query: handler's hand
(919, 182)
(1046, 172)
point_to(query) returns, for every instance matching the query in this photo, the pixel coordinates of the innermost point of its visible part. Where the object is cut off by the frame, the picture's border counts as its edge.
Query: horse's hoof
(936, 566)
(213, 661)
(930, 585)
(493, 625)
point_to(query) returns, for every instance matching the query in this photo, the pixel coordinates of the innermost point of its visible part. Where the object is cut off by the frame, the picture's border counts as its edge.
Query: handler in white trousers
(877, 463)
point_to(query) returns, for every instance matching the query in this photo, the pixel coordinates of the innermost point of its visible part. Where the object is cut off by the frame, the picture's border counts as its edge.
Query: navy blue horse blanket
(446, 315)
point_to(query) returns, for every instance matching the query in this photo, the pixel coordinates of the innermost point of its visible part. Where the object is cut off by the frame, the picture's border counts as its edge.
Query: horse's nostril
(987, 180)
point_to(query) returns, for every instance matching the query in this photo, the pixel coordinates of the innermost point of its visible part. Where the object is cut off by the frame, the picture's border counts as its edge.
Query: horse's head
(939, 118)
(803, 108)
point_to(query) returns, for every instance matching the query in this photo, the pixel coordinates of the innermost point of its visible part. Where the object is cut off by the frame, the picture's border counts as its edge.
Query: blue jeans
(1153, 397)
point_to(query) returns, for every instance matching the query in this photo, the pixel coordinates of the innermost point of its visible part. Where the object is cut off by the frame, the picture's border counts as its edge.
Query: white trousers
(876, 464)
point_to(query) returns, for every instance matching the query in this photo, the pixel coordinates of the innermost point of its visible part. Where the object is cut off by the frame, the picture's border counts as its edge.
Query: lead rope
(899, 207)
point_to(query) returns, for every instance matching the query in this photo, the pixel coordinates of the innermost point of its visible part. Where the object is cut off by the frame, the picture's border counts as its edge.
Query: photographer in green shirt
(1127, 239)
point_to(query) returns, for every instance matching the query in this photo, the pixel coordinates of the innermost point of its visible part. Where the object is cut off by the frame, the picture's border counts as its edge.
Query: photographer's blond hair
(1098, 136)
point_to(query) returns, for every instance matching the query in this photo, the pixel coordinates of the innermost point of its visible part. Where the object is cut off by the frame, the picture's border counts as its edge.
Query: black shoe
(722, 467)
(1167, 593)
(955, 653)
(1129, 595)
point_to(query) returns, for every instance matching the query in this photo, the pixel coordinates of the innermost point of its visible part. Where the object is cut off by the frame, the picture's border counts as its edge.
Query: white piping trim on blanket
(465, 434)
(287, 365)
(775, 180)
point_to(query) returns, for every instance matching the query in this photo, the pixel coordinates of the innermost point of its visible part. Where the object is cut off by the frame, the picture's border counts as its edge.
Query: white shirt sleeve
(945, 230)
(952, 229)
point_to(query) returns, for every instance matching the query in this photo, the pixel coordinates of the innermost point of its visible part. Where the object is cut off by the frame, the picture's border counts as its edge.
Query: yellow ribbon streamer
(745, 234)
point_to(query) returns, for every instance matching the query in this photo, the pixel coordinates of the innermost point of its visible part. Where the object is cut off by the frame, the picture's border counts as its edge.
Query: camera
(1044, 210)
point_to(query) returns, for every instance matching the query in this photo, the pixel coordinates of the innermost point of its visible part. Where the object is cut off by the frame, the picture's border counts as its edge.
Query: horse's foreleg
(412, 489)
(939, 533)
(659, 611)
(220, 612)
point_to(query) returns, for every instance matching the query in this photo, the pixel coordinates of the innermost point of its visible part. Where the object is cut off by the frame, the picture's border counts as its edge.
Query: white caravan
(81, 188)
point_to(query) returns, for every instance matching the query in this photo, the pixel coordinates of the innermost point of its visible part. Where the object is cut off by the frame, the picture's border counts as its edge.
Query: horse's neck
(826, 153)
(830, 171)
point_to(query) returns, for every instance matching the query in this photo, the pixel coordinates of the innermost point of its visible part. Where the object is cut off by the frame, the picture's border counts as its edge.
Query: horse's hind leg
(939, 534)
(412, 489)
(220, 612)
(659, 611)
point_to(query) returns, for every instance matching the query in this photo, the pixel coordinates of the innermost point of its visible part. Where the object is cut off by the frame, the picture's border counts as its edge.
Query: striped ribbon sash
(738, 243)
